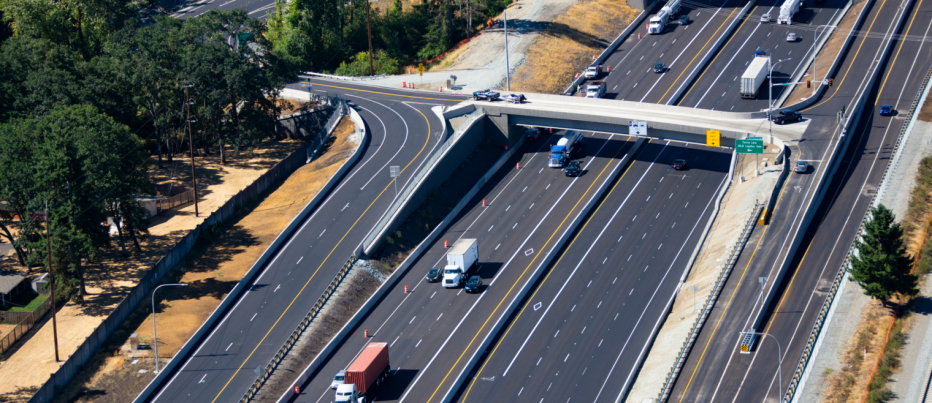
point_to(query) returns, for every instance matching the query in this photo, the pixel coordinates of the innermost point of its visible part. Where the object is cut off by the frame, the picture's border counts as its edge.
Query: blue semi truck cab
(561, 153)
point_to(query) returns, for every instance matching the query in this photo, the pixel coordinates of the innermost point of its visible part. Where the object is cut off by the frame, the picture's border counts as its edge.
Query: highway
(716, 371)
(679, 47)
(432, 331)
(718, 87)
(403, 131)
(256, 8)
(580, 333)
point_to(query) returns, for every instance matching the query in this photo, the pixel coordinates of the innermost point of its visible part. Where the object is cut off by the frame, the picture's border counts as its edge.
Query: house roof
(9, 279)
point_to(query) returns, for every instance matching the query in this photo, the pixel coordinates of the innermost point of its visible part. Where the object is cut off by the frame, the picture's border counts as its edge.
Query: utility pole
(369, 33)
(48, 242)
(507, 65)
(188, 103)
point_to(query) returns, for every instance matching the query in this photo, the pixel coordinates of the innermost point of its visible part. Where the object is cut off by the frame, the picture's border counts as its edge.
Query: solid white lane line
(393, 342)
(649, 301)
(418, 343)
(299, 260)
(403, 142)
(432, 295)
(412, 320)
(575, 269)
(228, 347)
(441, 315)
(322, 233)
(202, 379)
(253, 316)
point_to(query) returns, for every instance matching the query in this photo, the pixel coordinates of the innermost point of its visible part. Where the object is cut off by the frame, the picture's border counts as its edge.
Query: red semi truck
(370, 367)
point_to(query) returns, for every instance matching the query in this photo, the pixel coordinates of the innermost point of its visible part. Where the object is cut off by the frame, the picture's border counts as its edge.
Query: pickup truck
(594, 71)
(486, 95)
(514, 98)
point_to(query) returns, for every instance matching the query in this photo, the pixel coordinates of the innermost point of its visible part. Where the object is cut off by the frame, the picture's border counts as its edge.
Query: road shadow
(488, 270)
(393, 388)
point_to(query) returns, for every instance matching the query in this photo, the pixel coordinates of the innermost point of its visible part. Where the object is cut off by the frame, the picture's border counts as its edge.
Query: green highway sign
(749, 146)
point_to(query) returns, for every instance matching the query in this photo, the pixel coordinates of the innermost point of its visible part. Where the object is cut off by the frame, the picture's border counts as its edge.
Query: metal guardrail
(412, 184)
(709, 303)
(298, 331)
(830, 298)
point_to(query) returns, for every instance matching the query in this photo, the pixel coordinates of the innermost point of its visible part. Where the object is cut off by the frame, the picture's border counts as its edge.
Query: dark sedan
(680, 164)
(787, 116)
(433, 275)
(886, 110)
(474, 284)
(573, 169)
(659, 68)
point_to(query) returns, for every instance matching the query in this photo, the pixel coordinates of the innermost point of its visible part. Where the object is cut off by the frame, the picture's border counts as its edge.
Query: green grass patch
(27, 302)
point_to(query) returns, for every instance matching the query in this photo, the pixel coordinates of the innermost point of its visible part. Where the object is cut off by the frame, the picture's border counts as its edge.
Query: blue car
(886, 110)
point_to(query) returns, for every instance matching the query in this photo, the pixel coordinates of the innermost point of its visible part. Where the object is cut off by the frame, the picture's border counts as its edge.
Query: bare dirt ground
(585, 29)
(219, 259)
(925, 114)
(737, 205)
(828, 53)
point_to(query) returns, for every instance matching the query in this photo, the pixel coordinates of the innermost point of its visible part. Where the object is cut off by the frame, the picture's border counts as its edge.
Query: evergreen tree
(882, 266)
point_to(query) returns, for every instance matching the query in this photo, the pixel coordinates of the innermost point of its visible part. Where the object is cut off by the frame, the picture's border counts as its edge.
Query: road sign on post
(395, 172)
(637, 128)
(713, 138)
(749, 146)
(420, 68)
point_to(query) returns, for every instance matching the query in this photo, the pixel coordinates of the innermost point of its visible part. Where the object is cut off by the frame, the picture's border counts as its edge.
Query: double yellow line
(427, 140)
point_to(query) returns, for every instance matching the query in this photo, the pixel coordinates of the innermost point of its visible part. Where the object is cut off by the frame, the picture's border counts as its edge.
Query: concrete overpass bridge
(504, 120)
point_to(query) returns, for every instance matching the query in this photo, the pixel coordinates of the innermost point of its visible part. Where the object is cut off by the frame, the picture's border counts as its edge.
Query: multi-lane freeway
(590, 318)
(402, 131)
(716, 371)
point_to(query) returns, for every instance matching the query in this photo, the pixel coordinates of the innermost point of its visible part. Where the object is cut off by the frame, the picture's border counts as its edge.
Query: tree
(881, 265)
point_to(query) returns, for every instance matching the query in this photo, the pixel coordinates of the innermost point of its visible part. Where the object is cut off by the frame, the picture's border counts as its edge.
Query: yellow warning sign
(713, 138)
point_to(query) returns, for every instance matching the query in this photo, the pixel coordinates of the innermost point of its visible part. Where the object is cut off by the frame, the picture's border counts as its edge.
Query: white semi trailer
(754, 76)
(460, 259)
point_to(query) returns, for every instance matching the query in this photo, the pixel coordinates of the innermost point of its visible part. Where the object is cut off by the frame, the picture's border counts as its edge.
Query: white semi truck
(595, 89)
(754, 76)
(787, 11)
(460, 259)
(658, 23)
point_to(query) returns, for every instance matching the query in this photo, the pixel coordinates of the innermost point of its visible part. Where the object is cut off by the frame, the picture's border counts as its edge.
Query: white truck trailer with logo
(754, 76)
(658, 22)
(460, 259)
(787, 11)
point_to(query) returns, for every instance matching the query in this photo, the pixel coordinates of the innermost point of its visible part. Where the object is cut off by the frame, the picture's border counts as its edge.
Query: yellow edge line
(852, 60)
(730, 299)
(465, 396)
(518, 280)
(322, 264)
(697, 55)
(716, 55)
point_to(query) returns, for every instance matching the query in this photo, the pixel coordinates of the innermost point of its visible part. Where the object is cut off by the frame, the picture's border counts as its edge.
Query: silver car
(765, 18)
(791, 37)
(338, 380)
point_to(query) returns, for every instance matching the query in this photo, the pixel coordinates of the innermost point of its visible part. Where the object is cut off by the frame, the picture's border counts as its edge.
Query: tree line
(332, 36)
(89, 93)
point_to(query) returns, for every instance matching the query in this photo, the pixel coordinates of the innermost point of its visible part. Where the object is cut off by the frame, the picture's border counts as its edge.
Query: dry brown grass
(828, 53)
(925, 113)
(219, 259)
(849, 384)
(566, 46)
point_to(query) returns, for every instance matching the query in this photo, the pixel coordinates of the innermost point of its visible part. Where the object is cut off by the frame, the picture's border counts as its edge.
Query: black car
(659, 68)
(532, 134)
(684, 19)
(886, 110)
(474, 284)
(680, 164)
(433, 275)
(787, 117)
(573, 169)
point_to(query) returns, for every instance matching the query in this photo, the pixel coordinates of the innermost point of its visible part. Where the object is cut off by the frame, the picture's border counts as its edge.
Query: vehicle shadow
(395, 386)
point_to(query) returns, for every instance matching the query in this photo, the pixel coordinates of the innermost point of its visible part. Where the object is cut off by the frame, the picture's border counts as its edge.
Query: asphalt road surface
(580, 333)
(432, 331)
(403, 131)
(718, 87)
(715, 371)
(679, 47)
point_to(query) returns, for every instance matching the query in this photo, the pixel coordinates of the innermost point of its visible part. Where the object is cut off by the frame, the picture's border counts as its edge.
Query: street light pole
(190, 101)
(155, 337)
(507, 65)
(48, 242)
(779, 355)
(770, 94)
(815, 57)
(369, 34)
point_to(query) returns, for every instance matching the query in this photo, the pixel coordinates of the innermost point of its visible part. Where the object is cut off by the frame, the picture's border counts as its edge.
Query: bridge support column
(501, 131)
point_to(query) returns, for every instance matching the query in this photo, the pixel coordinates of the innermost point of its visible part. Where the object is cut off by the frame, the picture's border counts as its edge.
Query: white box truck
(595, 89)
(753, 77)
(787, 11)
(460, 259)
(658, 22)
